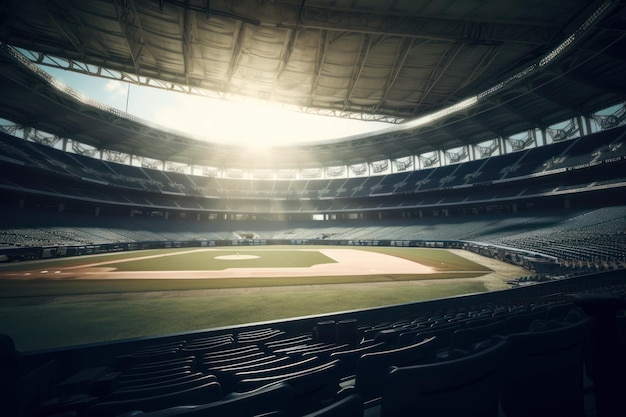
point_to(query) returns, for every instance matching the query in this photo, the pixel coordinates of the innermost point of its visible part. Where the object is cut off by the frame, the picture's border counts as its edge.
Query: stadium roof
(395, 60)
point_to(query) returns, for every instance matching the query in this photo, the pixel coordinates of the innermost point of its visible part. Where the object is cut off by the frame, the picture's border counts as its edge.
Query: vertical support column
(544, 136)
(501, 145)
(588, 125)
(581, 126)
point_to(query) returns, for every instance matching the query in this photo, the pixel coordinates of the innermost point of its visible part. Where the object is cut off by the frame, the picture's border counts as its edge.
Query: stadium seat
(325, 331)
(314, 387)
(467, 337)
(519, 323)
(545, 374)
(204, 345)
(287, 342)
(271, 369)
(253, 379)
(123, 380)
(225, 361)
(349, 358)
(161, 388)
(442, 333)
(322, 351)
(163, 352)
(466, 386)
(155, 367)
(257, 336)
(202, 394)
(266, 400)
(371, 367)
(346, 332)
(350, 406)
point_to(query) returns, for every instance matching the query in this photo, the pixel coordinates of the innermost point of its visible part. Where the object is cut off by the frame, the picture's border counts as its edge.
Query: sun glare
(254, 123)
(236, 121)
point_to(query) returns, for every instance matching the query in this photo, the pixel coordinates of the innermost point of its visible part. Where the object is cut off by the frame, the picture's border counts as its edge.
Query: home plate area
(236, 257)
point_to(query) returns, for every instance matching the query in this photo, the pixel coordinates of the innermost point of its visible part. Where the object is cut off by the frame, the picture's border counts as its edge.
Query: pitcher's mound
(236, 257)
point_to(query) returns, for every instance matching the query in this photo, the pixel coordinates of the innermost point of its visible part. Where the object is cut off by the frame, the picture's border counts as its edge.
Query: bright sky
(247, 124)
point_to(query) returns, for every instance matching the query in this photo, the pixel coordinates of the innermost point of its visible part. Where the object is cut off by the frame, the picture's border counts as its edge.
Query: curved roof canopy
(394, 61)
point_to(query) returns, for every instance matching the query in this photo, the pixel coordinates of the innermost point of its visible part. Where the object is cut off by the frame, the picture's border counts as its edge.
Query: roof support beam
(324, 40)
(422, 26)
(439, 70)
(485, 63)
(130, 24)
(290, 45)
(234, 60)
(188, 37)
(72, 27)
(74, 35)
(403, 52)
(293, 37)
(366, 44)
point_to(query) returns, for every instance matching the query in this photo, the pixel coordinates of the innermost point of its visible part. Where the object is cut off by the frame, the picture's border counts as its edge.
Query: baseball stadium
(435, 224)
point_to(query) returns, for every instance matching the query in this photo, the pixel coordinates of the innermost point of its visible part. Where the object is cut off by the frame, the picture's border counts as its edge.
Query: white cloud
(117, 88)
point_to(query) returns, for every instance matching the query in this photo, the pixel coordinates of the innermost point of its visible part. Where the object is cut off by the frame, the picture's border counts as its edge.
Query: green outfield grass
(79, 260)
(45, 313)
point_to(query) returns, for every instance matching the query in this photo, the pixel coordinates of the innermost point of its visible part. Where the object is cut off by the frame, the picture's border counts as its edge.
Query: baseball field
(70, 301)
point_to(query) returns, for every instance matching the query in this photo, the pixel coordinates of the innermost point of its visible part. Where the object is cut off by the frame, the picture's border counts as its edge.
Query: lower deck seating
(277, 397)
(465, 386)
(533, 355)
(546, 377)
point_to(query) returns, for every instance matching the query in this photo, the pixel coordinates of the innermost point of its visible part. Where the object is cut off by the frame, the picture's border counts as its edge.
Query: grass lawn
(46, 313)
(53, 323)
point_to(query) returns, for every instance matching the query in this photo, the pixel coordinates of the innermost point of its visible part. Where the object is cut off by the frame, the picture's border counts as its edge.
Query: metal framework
(462, 75)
